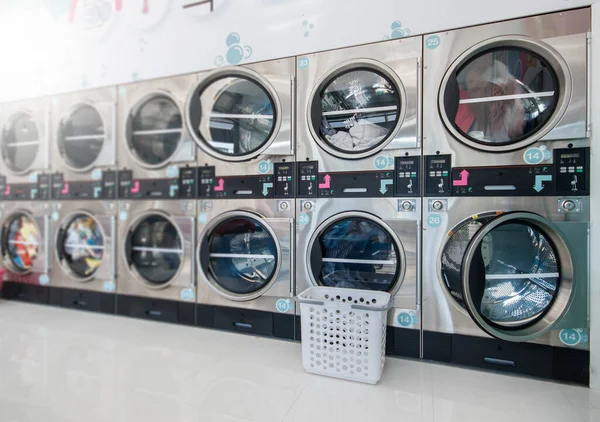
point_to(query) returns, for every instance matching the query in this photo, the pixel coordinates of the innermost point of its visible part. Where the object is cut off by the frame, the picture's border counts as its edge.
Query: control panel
(408, 172)
(130, 188)
(503, 181)
(206, 181)
(39, 190)
(571, 171)
(358, 184)
(284, 180)
(437, 175)
(307, 172)
(187, 183)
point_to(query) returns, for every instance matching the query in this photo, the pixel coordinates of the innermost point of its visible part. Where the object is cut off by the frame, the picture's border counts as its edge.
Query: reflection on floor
(58, 365)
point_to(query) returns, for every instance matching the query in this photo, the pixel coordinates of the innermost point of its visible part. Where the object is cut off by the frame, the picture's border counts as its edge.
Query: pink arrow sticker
(221, 186)
(464, 179)
(327, 183)
(136, 187)
(65, 189)
(7, 190)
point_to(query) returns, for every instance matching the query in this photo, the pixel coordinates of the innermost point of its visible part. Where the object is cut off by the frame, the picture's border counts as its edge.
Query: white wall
(43, 53)
(595, 204)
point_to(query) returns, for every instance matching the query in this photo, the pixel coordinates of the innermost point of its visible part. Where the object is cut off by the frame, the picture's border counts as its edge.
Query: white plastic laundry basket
(343, 332)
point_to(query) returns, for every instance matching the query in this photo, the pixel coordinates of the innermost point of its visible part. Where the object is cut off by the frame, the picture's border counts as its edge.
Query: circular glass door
(504, 95)
(81, 137)
(356, 112)
(233, 116)
(80, 246)
(20, 143)
(512, 275)
(155, 250)
(154, 130)
(21, 240)
(240, 256)
(356, 252)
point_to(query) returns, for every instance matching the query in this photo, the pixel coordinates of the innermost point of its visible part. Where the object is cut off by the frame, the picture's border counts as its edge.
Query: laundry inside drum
(501, 96)
(155, 130)
(240, 116)
(522, 274)
(156, 249)
(20, 143)
(357, 253)
(22, 242)
(359, 109)
(83, 246)
(81, 137)
(242, 255)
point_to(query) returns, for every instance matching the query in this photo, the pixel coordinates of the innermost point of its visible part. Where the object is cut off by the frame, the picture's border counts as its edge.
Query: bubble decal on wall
(397, 31)
(235, 51)
(307, 27)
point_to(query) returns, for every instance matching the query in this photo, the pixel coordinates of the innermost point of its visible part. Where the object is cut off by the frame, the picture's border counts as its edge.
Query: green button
(579, 171)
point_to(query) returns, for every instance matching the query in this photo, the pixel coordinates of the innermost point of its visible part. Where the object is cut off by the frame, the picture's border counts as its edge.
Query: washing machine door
(356, 250)
(22, 242)
(154, 250)
(21, 140)
(505, 93)
(154, 131)
(234, 114)
(81, 137)
(240, 256)
(83, 246)
(517, 276)
(357, 109)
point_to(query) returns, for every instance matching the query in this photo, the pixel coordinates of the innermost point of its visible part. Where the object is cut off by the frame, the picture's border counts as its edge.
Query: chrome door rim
(245, 73)
(558, 65)
(561, 302)
(68, 114)
(133, 110)
(8, 124)
(238, 297)
(62, 226)
(370, 217)
(330, 76)
(132, 269)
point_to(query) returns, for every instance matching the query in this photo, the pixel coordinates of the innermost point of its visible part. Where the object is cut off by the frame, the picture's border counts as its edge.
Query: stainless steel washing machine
(505, 284)
(154, 144)
(84, 261)
(156, 243)
(359, 109)
(245, 266)
(25, 250)
(242, 118)
(84, 145)
(371, 245)
(24, 145)
(506, 94)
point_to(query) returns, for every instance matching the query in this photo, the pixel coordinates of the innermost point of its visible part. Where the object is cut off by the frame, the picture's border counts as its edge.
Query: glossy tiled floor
(58, 365)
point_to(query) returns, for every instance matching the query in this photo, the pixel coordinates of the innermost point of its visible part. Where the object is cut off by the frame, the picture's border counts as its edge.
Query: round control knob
(407, 205)
(284, 206)
(308, 206)
(568, 205)
(437, 205)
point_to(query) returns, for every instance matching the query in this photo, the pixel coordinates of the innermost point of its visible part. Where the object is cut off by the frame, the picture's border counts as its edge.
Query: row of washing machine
(451, 170)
